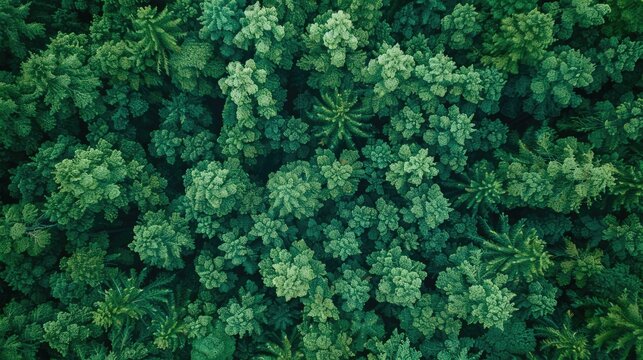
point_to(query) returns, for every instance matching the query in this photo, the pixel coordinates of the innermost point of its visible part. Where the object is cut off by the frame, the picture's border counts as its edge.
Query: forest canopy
(321, 179)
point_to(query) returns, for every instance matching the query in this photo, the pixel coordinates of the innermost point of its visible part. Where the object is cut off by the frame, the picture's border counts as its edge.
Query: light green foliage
(97, 180)
(620, 330)
(216, 189)
(483, 191)
(329, 41)
(522, 39)
(245, 315)
(462, 25)
(155, 35)
(23, 230)
(577, 13)
(321, 180)
(161, 240)
(560, 174)
(248, 88)
(128, 300)
(339, 118)
(558, 76)
(396, 347)
(290, 271)
(390, 73)
(221, 22)
(353, 288)
(319, 305)
(259, 27)
(476, 295)
(564, 342)
(211, 271)
(325, 341)
(428, 316)
(428, 207)
(441, 78)
(342, 175)
(400, 276)
(515, 249)
(70, 329)
(387, 216)
(294, 190)
(341, 243)
(449, 130)
(414, 167)
(237, 251)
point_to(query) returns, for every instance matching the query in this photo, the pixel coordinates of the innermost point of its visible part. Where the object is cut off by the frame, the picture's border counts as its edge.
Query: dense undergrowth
(336, 179)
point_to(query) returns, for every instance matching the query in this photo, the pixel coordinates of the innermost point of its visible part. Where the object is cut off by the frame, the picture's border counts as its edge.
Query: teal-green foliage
(336, 179)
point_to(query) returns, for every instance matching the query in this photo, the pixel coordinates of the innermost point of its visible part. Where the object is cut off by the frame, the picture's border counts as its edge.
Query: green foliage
(332, 42)
(217, 345)
(22, 229)
(155, 35)
(522, 39)
(462, 25)
(475, 294)
(564, 342)
(558, 75)
(70, 329)
(557, 173)
(259, 27)
(126, 300)
(515, 249)
(294, 190)
(97, 180)
(216, 189)
(321, 179)
(160, 241)
(290, 271)
(246, 314)
(396, 347)
(15, 30)
(338, 118)
(620, 330)
(448, 132)
(414, 167)
(400, 276)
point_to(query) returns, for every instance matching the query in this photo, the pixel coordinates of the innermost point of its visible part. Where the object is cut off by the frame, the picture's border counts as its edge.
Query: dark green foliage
(338, 118)
(321, 180)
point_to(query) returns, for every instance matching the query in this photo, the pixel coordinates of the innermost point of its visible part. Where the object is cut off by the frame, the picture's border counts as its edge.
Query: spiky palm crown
(339, 118)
